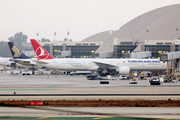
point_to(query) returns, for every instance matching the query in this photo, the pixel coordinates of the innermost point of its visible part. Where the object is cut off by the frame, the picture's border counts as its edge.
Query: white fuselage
(26, 63)
(7, 63)
(76, 64)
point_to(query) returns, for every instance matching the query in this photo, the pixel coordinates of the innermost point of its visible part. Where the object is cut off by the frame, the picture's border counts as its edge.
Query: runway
(89, 113)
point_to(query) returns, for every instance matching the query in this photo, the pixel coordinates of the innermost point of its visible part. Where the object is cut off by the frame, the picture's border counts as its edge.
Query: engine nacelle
(123, 70)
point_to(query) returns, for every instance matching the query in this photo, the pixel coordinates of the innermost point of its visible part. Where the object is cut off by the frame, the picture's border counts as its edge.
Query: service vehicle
(132, 82)
(91, 77)
(122, 77)
(148, 74)
(80, 73)
(154, 81)
(25, 73)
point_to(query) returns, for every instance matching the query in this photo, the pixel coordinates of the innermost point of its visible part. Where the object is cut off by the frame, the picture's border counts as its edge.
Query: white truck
(15, 72)
(80, 73)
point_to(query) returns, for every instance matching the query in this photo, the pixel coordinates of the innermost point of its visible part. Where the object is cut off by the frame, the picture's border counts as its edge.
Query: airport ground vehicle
(91, 77)
(122, 77)
(25, 73)
(135, 74)
(15, 72)
(80, 73)
(148, 74)
(95, 77)
(154, 81)
(132, 82)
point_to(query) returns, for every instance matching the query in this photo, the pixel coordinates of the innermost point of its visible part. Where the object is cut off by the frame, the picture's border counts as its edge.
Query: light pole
(54, 36)
(37, 36)
(67, 35)
(177, 29)
(110, 32)
(147, 30)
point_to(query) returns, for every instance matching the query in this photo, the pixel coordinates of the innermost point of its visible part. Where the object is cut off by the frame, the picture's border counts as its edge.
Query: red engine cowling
(123, 70)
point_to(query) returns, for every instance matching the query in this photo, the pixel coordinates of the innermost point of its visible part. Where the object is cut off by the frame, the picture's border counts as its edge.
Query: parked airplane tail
(41, 53)
(16, 52)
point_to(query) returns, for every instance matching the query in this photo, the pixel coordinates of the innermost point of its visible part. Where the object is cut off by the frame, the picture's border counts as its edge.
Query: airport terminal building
(154, 34)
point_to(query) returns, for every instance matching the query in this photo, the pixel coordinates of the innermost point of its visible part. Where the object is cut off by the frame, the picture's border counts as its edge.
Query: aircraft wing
(39, 62)
(104, 65)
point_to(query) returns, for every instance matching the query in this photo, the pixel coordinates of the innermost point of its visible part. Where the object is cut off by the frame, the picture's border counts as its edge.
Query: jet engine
(123, 70)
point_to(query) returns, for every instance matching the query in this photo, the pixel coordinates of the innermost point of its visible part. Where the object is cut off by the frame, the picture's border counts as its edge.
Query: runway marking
(44, 117)
(149, 89)
(101, 117)
(25, 89)
(164, 119)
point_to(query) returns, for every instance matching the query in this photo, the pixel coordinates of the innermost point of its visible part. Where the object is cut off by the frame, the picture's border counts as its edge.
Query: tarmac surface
(64, 84)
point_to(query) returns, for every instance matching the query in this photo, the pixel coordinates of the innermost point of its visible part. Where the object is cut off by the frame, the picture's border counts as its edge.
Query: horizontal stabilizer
(17, 60)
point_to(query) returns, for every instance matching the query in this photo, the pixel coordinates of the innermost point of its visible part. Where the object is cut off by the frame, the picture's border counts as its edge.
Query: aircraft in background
(7, 63)
(19, 57)
(121, 66)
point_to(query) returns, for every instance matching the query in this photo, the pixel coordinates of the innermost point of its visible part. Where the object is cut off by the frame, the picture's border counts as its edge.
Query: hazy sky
(82, 18)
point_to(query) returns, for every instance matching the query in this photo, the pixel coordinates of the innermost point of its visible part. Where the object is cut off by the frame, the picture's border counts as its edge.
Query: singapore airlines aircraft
(19, 57)
(121, 66)
(7, 63)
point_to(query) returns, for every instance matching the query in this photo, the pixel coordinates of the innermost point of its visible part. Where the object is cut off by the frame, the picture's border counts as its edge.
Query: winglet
(41, 53)
(16, 52)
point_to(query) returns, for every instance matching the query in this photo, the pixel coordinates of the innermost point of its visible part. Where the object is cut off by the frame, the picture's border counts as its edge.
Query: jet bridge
(172, 59)
(139, 55)
(170, 56)
(105, 54)
(62, 54)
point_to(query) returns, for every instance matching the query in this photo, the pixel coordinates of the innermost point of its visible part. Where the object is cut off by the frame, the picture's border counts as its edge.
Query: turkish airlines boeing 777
(121, 66)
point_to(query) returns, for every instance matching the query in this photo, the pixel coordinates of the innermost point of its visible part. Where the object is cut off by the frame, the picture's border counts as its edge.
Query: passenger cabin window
(92, 44)
(126, 43)
(78, 44)
(85, 44)
(159, 43)
(168, 43)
